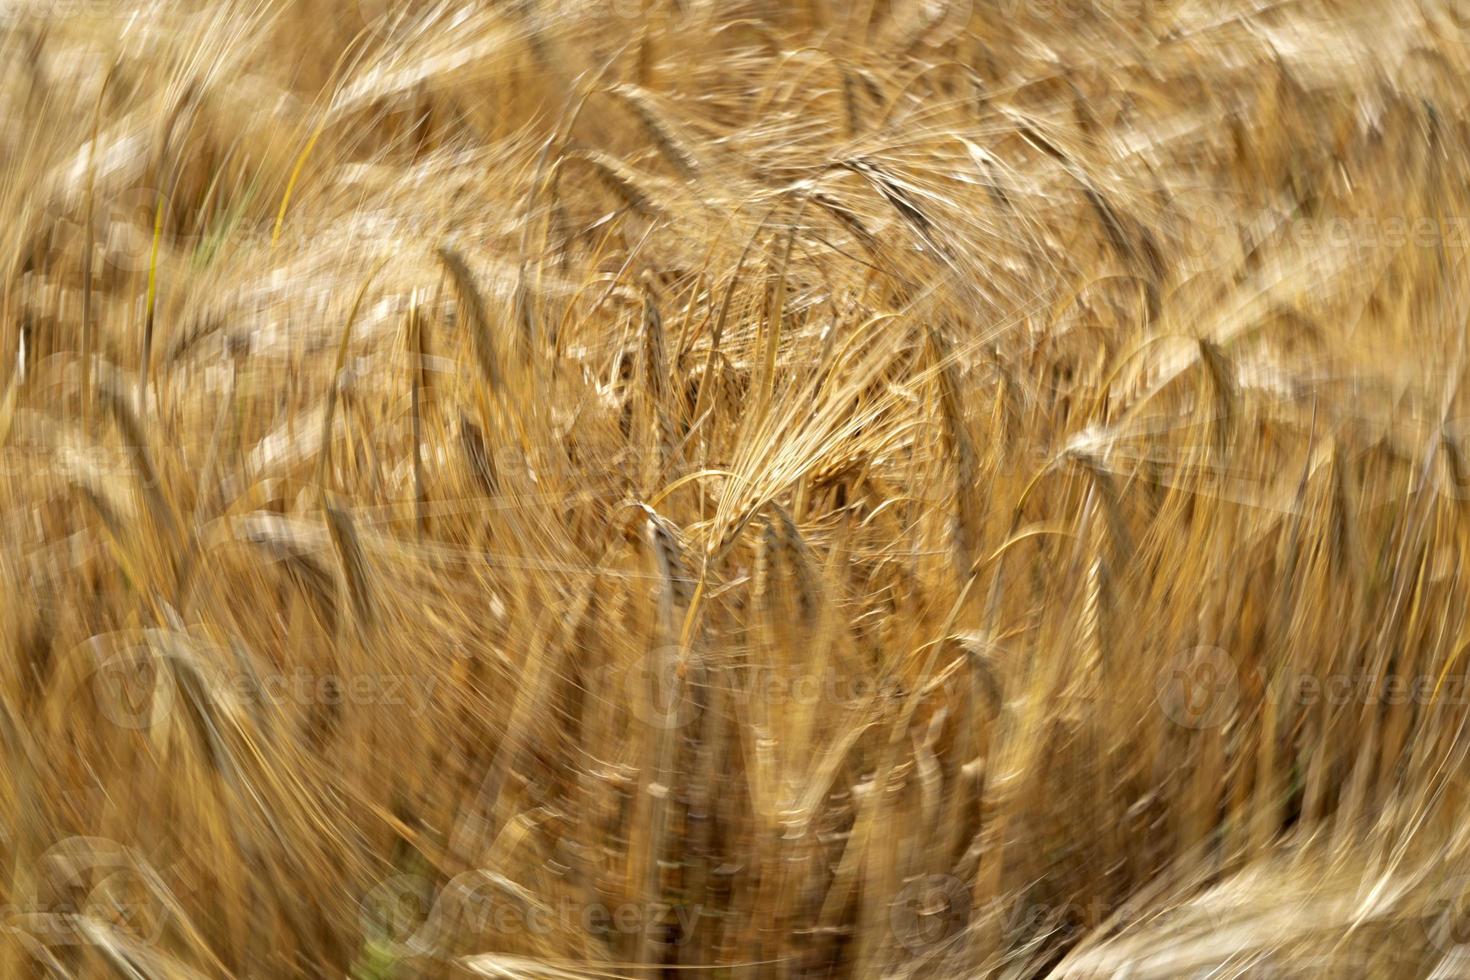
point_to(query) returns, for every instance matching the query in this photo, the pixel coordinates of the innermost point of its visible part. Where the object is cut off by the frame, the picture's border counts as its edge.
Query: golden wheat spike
(908, 489)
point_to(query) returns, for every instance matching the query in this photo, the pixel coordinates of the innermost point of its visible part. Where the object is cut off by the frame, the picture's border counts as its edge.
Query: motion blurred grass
(748, 489)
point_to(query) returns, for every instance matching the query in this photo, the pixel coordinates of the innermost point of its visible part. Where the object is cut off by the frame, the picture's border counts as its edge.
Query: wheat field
(734, 488)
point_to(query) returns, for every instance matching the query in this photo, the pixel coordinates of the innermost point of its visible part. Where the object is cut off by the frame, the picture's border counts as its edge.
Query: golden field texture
(679, 488)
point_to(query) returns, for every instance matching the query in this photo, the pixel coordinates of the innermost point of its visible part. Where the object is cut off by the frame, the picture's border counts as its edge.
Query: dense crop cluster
(682, 488)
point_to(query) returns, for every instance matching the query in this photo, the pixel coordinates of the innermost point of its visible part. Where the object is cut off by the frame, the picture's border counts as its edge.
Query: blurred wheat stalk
(569, 489)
